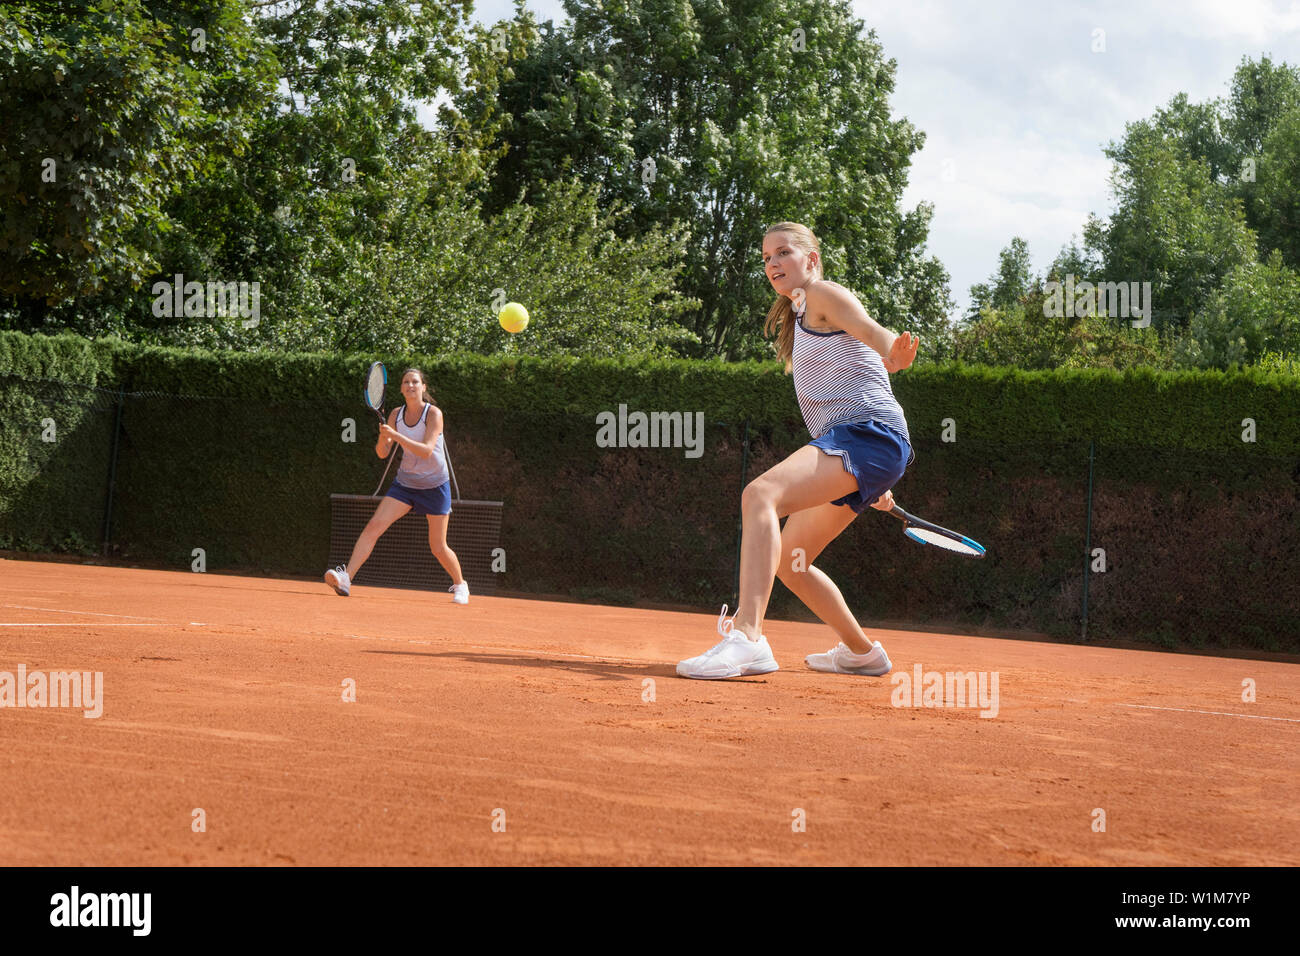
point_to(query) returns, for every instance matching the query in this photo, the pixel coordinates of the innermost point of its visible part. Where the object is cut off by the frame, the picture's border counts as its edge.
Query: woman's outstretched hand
(902, 352)
(885, 502)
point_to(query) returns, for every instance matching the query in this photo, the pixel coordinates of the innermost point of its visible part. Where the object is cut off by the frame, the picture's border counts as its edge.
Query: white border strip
(88, 624)
(1217, 713)
(55, 610)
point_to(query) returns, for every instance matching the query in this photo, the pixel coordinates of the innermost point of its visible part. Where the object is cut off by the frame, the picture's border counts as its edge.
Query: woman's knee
(758, 495)
(385, 516)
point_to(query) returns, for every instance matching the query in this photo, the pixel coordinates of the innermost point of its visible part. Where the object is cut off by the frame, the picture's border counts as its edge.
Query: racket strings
(375, 388)
(943, 541)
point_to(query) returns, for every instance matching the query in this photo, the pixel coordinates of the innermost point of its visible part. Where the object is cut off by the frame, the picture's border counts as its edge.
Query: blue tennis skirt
(873, 453)
(423, 501)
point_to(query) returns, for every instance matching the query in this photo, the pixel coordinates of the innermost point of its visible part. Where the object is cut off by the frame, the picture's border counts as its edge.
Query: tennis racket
(373, 395)
(375, 385)
(927, 533)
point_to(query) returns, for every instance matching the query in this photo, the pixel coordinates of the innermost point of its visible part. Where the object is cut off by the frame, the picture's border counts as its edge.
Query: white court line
(55, 610)
(84, 624)
(1217, 713)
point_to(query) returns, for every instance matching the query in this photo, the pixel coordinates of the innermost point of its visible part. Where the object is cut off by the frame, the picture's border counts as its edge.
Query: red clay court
(225, 694)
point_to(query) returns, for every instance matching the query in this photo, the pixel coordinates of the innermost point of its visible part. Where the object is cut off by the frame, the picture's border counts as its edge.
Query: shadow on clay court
(325, 592)
(605, 670)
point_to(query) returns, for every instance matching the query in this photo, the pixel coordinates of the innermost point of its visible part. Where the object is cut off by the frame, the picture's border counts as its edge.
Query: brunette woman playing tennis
(422, 483)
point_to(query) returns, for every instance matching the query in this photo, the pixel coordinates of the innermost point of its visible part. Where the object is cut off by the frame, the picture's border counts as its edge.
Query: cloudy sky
(1016, 105)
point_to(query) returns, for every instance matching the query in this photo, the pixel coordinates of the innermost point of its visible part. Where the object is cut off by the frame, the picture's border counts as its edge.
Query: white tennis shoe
(840, 660)
(734, 656)
(338, 580)
(460, 592)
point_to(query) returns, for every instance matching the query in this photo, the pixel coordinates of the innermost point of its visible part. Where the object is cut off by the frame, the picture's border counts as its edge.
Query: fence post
(112, 469)
(1087, 545)
(740, 521)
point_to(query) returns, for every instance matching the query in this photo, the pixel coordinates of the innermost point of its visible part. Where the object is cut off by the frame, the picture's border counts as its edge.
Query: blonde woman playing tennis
(841, 360)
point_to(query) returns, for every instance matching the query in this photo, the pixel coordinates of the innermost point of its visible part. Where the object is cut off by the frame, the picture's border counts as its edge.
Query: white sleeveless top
(840, 379)
(415, 472)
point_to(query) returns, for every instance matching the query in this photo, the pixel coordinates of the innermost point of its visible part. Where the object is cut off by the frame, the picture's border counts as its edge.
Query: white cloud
(1257, 22)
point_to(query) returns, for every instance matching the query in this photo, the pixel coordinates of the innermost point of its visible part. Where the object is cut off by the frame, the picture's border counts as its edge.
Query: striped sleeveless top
(840, 379)
(416, 472)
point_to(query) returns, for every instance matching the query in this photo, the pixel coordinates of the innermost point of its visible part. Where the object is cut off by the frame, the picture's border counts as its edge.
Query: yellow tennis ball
(514, 317)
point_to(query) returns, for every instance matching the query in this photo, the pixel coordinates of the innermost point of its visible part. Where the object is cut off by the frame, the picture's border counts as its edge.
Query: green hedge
(1188, 409)
(238, 452)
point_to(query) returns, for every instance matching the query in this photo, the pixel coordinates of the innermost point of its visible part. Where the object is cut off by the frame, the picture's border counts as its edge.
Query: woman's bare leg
(389, 510)
(808, 532)
(438, 545)
(806, 479)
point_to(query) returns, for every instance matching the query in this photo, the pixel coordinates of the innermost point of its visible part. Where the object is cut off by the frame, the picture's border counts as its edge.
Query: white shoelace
(725, 629)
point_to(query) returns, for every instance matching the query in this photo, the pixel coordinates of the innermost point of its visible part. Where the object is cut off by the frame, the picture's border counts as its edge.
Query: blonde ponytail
(780, 318)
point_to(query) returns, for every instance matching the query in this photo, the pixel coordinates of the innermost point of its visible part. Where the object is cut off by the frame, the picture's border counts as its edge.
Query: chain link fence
(1154, 544)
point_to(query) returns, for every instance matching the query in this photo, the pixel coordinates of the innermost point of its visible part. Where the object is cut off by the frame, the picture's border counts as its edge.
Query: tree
(1074, 260)
(589, 291)
(1194, 131)
(334, 152)
(294, 177)
(1010, 323)
(1255, 312)
(1264, 96)
(723, 118)
(1173, 225)
(1028, 336)
(1277, 209)
(429, 276)
(110, 107)
(1202, 190)
(1262, 93)
(1006, 287)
